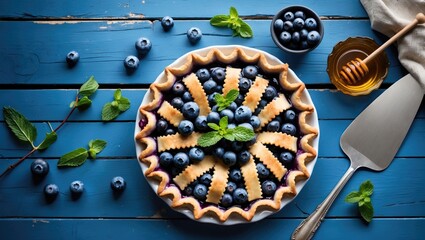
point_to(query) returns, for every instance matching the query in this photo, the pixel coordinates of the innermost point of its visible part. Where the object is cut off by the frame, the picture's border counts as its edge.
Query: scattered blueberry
(250, 72)
(180, 160)
(76, 187)
(196, 154)
(167, 23)
(240, 196)
(39, 168)
(186, 127)
(72, 58)
(118, 184)
(243, 114)
(226, 200)
(268, 188)
(165, 159)
(273, 126)
(262, 171)
(131, 63)
(288, 16)
(218, 74)
(203, 74)
(194, 34)
(177, 102)
(209, 86)
(51, 191)
(229, 158)
(190, 110)
(200, 191)
(206, 179)
(289, 128)
(143, 46)
(278, 25)
(213, 117)
(178, 88)
(201, 123)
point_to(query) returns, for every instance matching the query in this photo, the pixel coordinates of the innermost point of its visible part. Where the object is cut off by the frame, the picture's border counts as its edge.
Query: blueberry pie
(226, 134)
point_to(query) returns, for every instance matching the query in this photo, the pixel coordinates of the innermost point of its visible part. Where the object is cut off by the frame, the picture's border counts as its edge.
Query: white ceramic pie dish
(311, 120)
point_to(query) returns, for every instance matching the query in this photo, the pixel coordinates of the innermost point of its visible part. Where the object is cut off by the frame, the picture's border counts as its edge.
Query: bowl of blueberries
(296, 29)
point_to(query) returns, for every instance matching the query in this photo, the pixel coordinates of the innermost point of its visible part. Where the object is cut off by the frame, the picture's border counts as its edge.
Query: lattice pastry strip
(192, 172)
(170, 113)
(177, 141)
(255, 93)
(266, 156)
(274, 108)
(232, 79)
(218, 182)
(278, 139)
(198, 93)
(252, 182)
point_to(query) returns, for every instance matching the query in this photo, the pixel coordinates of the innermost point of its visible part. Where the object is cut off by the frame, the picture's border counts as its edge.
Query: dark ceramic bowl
(291, 46)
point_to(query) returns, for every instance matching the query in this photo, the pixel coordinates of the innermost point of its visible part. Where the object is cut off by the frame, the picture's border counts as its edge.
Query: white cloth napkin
(388, 17)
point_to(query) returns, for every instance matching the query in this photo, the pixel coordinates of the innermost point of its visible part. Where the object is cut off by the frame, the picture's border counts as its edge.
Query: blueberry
(288, 16)
(251, 142)
(180, 160)
(310, 24)
(218, 74)
(229, 158)
(290, 115)
(298, 24)
(203, 74)
(213, 117)
(268, 188)
(232, 107)
(237, 146)
(190, 110)
(250, 72)
(286, 157)
(131, 63)
(187, 97)
(219, 152)
(178, 88)
(196, 154)
(289, 128)
(206, 179)
(262, 171)
(161, 126)
(243, 114)
(278, 25)
(288, 26)
(244, 84)
(194, 34)
(177, 102)
(51, 191)
(240, 196)
(243, 157)
(270, 93)
(313, 38)
(285, 37)
(246, 125)
(273, 126)
(278, 118)
(239, 100)
(231, 186)
(211, 98)
(201, 123)
(188, 190)
(170, 131)
(227, 112)
(215, 108)
(76, 187)
(143, 46)
(304, 44)
(255, 122)
(72, 58)
(39, 168)
(209, 86)
(186, 127)
(118, 184)
(299, 14)
(296, 37)
(200, 191)
(303, 34)
(165, 159)
(167, 23)
(231, 126)
(218, 88)
(226, 200)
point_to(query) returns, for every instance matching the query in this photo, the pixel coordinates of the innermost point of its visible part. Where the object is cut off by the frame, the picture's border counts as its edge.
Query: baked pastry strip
(170, 113)
(252, 182)
(278, 139)
(253, 96)
(218, 182)
(193, 171)
(273, 109)
(177, 141)
(266, 156)
(198, 93)
(232, 79)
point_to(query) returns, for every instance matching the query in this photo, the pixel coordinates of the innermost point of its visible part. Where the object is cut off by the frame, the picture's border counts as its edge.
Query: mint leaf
(225, 101)
(97, 145)
(123, 104)
(220, 20)
(362, 197)
(234, 22)
(223, 122)
(117, 94)
(243, 134)
(74, 158)
(213, 126)
(109, 112)
(229, 136)
(83, 103)
(233, 13)
(89, 87)
(209, 139)
(112, 109)
(19, 125)
(353, 197)
(48, 140)
(366, 211)
(245, 30)
(366, 188)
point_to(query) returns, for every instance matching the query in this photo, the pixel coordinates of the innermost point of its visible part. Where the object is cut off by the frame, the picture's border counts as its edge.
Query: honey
(350, 49)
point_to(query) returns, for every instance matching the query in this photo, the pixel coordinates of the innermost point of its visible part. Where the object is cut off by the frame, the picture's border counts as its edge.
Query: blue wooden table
(35, 37)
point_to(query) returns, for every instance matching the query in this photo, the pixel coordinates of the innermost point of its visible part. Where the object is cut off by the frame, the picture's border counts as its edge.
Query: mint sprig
(362, 198)
(224, 101)
(111, 110)
(221, 130)
(234, 22)
(86, 90)
(78, 156)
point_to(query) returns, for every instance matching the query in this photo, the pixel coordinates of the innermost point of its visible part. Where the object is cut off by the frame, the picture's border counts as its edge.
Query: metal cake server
(372, 140)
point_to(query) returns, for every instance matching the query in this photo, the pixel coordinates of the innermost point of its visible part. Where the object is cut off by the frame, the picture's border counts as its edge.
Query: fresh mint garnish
(362, 198)
(111, 110)
(234, 22)
(224, 101)
(221, 130)
(78, 156)
(23, 129)
(86, 90)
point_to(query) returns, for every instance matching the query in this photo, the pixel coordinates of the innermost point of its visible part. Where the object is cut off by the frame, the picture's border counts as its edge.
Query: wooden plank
(332, 229)
(104, 45)
(398, 192)
(26, 9)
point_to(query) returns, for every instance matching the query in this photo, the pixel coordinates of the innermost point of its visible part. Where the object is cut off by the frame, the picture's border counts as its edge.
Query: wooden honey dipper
(356, 69)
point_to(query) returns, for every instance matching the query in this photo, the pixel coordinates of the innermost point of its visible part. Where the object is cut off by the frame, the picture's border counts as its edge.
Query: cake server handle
(308, 227)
